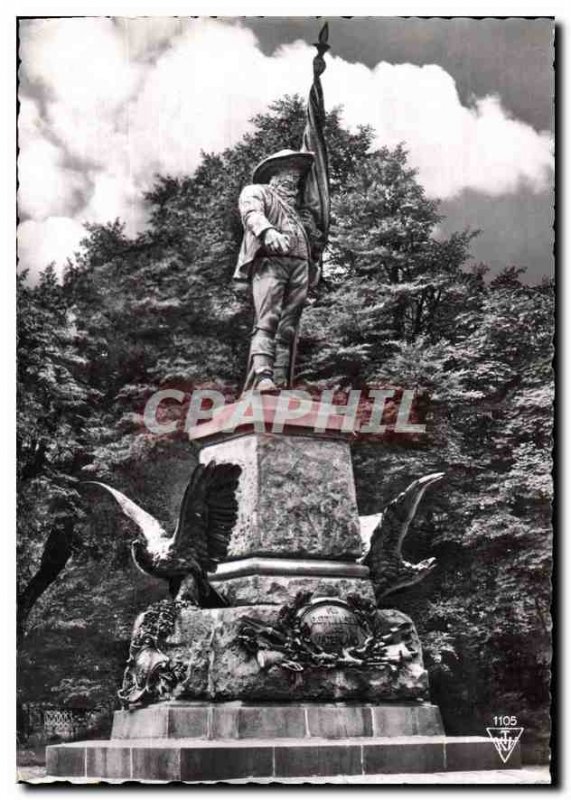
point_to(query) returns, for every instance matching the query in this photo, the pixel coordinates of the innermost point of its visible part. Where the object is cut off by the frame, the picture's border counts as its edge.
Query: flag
(316, 190)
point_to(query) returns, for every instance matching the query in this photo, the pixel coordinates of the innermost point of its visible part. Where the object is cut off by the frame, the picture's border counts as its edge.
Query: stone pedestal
(207, 742)
(302, 675)
(298, 524)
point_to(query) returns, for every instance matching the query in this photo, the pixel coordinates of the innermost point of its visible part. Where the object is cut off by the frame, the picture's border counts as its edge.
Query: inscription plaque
(332, 626)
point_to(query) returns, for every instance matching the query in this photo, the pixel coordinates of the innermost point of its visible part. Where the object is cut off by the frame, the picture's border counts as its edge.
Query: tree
(52, 406)
(392, 281)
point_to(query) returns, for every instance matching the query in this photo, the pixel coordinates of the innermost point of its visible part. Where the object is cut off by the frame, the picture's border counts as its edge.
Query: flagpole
(317, 184)
(316, 189)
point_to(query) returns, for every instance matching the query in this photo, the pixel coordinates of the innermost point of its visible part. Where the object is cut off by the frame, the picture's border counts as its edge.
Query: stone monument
(272, 657)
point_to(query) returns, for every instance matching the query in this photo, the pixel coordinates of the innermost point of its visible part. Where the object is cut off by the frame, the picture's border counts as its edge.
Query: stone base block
(296, 497)
(191, 760)
(293, 721)
(217, 668)
(280, 589)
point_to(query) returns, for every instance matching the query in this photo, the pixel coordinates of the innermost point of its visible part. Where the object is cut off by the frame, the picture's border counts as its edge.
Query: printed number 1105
(505, 721)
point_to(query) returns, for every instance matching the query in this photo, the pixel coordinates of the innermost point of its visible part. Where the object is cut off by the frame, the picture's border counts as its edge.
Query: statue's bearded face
(287, 181)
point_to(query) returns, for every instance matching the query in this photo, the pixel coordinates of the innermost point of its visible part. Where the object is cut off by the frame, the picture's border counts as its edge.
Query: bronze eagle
(383, 535)
(208, 513)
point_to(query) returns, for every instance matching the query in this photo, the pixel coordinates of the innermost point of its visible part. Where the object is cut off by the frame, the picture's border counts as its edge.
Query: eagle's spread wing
(398, 514)
(155, 535)
(384, 556)
(208, 513)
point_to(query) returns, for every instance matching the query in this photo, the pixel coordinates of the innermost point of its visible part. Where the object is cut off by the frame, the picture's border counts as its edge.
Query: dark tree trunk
(57, 552)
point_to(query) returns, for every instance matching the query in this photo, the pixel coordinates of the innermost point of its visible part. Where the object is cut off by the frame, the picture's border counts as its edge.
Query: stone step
(206, 760)
(275, 721)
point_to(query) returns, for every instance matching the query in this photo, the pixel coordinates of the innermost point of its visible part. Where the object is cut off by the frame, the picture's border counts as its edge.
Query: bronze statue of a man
(285, 212)
(280, 257)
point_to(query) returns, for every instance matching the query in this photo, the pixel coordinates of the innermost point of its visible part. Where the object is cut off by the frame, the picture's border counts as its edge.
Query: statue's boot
(264, 374)
(265, 383)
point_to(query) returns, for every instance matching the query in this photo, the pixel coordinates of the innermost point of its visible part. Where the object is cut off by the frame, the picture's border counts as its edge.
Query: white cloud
(124, 99)
(54, 239)
(452, 146)
(85, 62)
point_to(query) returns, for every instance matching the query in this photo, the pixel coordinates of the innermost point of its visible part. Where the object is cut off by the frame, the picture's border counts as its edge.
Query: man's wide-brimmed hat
(280, 160)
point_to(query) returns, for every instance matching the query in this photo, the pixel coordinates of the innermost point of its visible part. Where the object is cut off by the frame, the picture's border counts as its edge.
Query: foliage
(53, 403)
(400, 308)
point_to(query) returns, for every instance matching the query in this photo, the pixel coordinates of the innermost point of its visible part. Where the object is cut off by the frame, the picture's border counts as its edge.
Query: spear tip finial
(322, 39)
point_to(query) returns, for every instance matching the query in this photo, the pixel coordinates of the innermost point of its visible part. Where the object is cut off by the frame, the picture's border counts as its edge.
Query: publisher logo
(505, 737)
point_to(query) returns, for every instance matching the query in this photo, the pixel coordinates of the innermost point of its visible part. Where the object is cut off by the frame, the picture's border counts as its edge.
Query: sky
(108, 103)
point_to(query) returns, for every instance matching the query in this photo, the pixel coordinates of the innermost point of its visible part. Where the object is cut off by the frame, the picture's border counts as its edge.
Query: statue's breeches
(279, 290)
